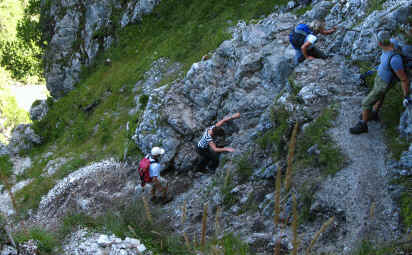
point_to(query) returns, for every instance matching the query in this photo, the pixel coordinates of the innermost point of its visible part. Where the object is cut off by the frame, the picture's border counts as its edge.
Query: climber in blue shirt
(389, 70)
(303, 39)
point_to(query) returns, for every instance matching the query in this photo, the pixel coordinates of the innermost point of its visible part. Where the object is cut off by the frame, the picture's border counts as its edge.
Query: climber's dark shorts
(208, 158)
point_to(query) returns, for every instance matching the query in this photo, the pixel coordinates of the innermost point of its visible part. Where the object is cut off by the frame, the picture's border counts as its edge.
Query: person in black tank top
(206, 147)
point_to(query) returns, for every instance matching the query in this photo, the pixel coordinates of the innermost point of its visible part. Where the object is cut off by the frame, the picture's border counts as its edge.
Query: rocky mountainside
(350, 179)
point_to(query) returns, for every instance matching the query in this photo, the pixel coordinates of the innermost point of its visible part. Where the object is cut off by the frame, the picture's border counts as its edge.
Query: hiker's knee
(367, 103)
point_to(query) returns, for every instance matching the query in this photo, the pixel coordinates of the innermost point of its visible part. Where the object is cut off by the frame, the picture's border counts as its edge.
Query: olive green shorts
(377, 93)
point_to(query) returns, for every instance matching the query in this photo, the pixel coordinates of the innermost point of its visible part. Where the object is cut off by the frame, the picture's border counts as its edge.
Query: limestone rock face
(23, 138)
(235, 78)
(91, 189)
(79, 30)
(3, 149)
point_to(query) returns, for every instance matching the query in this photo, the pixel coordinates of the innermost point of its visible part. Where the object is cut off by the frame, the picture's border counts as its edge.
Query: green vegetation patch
(19, 52)
(276, 138)
(369, 248)
(302, 10)
(390, 114)
(229, 199)
(375, 5)
(330, 160)
(47, 243)
(229, 244)
(244, 168)
(305, 203)
(6, 166)
(406, 209)
(10, 112)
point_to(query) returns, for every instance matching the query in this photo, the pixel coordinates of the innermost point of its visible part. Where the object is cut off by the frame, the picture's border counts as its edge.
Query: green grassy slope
(182, 31)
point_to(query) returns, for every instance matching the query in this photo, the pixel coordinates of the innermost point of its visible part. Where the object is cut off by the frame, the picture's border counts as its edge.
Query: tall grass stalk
(295, 240)
(147, 210)
(184, 212)
(317, 235)
(227, 176)
(187, 242)
(204, 222)
(277, 247)
(217, 224)
(292, 147)
(195, 243)
(277, 209)
(277, 199)
(372, 210)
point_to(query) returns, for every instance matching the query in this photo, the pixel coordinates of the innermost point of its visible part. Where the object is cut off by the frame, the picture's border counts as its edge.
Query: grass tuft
(330, 160)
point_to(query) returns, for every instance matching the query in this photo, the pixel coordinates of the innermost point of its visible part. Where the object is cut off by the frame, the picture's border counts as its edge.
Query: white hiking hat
(157, 151)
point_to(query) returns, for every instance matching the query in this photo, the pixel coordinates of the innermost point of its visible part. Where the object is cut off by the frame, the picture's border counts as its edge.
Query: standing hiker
(303, 39)
(390, 69)
(149, 170)
(207, 148)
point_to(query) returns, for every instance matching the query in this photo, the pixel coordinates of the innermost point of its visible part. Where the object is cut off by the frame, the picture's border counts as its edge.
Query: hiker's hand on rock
(228, 149)
(236, 115)
(310, 58)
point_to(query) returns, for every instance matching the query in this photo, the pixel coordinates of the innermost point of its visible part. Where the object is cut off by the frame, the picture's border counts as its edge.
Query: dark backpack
(298, 38)
(406, 62)
(143, 169)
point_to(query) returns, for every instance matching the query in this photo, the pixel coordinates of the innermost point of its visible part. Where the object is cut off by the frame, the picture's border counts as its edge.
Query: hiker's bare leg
(365, 115)
(165, 190)
(158, 186)
(153, 190)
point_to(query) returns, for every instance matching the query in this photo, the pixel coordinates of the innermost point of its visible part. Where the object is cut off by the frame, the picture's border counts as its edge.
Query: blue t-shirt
(384, 68)
(154, 170)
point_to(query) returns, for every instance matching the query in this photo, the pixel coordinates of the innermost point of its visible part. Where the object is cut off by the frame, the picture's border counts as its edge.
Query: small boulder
(38, 110)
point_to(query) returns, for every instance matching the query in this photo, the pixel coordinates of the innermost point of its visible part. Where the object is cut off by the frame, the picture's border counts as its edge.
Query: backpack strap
(298, 31)
(390, 66)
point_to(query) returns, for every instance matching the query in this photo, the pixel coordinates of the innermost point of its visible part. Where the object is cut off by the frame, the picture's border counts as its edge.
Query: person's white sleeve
(311, 38)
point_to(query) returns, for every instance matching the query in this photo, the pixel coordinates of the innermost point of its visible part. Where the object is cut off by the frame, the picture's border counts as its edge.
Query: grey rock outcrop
(8, 250)
(3, 149)
(38, 110)
(23, 138)
(405, 123)
(404, 166)
(90, 189)
(357, 25)
(30, 247)
(83, 242)
(235, 78)
(79, 30)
